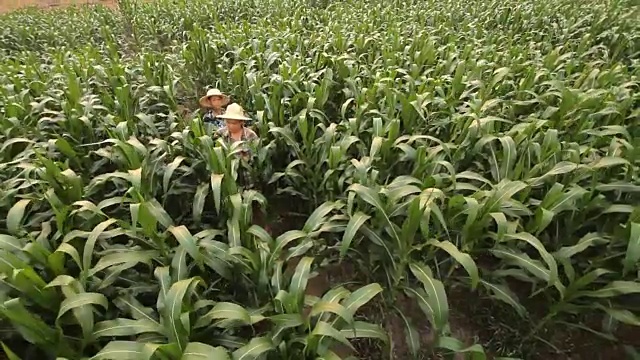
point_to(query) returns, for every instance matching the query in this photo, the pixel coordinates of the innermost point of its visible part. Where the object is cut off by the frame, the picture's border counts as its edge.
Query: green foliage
(489, 145)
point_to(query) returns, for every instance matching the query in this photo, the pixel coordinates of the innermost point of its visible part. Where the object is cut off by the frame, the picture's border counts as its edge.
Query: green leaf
(125, 327)
(159, 213)
(283, 240)
(591, 239)
(283, 322)
(509, 156)
(332, 307)
(368, 195)
(355, 222)
(608, 161)
(412, 337)
(186, 240)
(82, 299)
(216, 187)
(164, 279)
(362, 329)
(124, 257)
(458, 347)
(523, 260)
(199, 201)
(200, 351)
(8, 353)
(437, 297)
(546, 256)
(300, 279)
(502, 192)
(10, 243)
(633, 249)
(336, 294)
(29, 325)
(172, 311)
(361, 296)
(15, 215)
(464, 259)
(615, 288)
(377, 240)
(179, 264)
(624, 316)
(261, 234)
(504, 294)
(225, 310)
(135, 309)
(169, 170)
(83, 313)
(470, 175)
(315, 220)
(123, 350)
(585, 281)
(89, 246)
(325, 329)
(255, 348)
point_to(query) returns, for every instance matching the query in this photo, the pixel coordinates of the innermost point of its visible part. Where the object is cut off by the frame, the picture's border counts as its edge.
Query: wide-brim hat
(204, 101)
(234, 112)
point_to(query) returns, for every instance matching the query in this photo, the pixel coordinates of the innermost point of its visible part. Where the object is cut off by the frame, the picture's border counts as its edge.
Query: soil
(501, 331)
(473, 319)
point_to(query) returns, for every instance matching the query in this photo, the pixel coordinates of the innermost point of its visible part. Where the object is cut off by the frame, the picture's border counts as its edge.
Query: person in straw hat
(214, 101)
(235, 129)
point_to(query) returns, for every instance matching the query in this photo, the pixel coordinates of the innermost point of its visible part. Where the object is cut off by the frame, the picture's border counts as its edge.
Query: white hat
(234, 112)
(204, 101)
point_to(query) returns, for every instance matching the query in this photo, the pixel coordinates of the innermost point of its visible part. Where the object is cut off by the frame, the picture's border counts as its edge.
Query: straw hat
(204, 101)
(234, 112)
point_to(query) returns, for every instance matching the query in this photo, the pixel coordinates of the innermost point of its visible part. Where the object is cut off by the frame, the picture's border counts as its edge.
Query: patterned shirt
(213, 123)
(247, 135)
(244, 174)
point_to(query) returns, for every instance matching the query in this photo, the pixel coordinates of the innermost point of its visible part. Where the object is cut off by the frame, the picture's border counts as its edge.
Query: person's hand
(244, 154)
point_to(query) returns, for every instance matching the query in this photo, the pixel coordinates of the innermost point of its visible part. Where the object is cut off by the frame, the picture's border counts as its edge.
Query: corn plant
(485, 145)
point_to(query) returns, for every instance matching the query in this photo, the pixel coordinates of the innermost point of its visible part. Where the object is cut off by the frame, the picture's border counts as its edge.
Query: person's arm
(221, 133)
(251, 135)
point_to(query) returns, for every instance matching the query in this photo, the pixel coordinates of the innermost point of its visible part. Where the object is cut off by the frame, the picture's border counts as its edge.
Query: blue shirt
(212, 122)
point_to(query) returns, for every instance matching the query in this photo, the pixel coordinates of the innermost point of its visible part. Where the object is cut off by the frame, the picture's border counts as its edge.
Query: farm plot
(10, 5)
(434, 179)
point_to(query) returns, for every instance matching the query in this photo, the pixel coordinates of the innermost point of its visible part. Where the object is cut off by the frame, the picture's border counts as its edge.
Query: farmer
(214, 101)
(234, 131)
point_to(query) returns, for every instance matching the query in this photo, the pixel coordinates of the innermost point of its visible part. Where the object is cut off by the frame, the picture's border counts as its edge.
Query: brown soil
(497, 328)
(473, 319)
(10, 5)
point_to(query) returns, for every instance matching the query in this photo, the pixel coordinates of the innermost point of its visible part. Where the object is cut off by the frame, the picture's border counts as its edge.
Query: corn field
(9, 5)
(419, 162)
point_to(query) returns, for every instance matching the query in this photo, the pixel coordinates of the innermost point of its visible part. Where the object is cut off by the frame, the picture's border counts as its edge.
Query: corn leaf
(125, 327)
(15, 216)
(254, 349)
(632, 256)
(200, 351)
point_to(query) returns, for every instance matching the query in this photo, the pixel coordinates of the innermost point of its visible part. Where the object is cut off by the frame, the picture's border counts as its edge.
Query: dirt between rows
(474, 319)
(11, 5)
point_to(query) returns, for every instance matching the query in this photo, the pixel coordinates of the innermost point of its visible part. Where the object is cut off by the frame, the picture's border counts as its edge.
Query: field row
(432, 180)
(11, 5)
